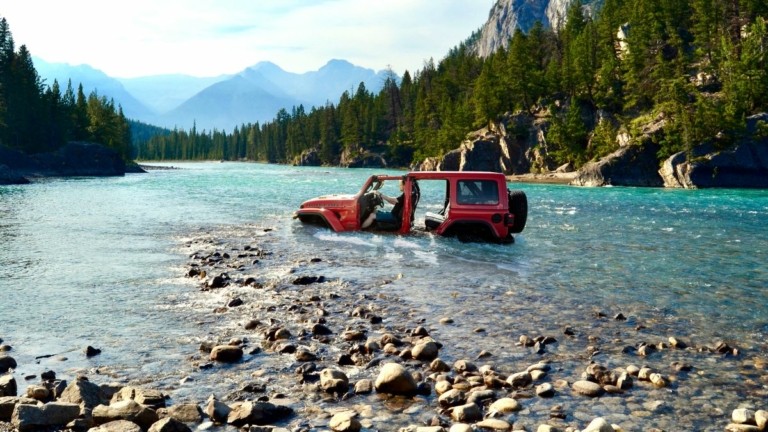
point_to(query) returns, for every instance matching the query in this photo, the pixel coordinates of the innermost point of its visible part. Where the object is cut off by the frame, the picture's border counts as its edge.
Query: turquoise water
(97, 261)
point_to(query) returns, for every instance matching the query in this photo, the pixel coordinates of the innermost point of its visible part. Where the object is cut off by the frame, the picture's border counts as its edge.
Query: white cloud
(211, 37)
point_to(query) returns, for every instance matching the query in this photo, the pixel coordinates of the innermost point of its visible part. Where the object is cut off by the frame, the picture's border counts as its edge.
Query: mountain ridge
(254, 94)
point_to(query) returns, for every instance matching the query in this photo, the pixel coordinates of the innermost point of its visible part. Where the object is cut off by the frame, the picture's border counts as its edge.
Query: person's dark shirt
(397, 210)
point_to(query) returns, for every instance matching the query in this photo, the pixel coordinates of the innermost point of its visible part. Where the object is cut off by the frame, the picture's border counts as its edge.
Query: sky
(206, 38)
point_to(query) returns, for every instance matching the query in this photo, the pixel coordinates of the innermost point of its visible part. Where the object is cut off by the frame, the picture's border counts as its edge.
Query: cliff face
(506, 16)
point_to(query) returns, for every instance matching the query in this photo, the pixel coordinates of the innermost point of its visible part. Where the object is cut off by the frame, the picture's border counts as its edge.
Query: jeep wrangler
(477, 206)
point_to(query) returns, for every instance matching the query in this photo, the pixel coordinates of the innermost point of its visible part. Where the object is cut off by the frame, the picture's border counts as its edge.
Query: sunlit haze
(213, 37)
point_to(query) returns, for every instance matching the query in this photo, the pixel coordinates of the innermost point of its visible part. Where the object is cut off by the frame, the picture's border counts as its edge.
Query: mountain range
(257, 93)
(180, 101)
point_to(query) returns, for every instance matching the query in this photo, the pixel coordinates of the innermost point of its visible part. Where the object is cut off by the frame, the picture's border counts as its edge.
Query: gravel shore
(288, 331)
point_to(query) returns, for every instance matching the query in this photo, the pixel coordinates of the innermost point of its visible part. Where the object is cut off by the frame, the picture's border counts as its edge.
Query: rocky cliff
(516, 145)
(506, 16)
(743, 166)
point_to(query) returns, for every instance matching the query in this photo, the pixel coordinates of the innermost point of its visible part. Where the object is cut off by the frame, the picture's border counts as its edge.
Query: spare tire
(518, 206)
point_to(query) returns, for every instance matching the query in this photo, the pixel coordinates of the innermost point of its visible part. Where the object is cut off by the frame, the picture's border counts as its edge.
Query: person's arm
(388, 199)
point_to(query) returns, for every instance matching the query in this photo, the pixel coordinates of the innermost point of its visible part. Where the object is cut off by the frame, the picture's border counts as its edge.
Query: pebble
(494, 424)
(587, 388)
(505, 406)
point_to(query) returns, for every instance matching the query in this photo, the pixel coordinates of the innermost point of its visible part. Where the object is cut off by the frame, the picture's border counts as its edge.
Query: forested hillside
(39, 117)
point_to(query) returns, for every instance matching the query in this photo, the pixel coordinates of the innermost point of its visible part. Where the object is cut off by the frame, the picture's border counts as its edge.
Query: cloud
(207, 37)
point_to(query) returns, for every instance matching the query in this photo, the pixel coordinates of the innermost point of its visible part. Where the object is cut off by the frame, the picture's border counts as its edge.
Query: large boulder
(633, 165)
(84, 393)
(125, 410)
(34, 417)
(257, 413)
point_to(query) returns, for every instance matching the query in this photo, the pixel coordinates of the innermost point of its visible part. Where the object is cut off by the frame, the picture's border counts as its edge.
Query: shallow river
(100, 261)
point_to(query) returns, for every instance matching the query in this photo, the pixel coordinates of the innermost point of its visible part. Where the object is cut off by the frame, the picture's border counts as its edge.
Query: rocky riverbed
(292, 342)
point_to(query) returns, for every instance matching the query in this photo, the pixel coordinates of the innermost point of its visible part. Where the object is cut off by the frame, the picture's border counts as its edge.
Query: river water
(99, 261)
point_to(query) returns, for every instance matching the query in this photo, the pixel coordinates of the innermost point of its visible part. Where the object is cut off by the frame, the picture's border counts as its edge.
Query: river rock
(8, 386)
(186, 413)
(345, 422)
(216, 410)
(38, 392)
(738, 427)
(442, 386)
(480, 396)
(117, 426)
(226, 353)
(333, 381)
(8, 403)
(125, 410)
(6, 363)
(460, 427)
(743, 416)
(438, 365)
(257, 413)
(520, 380)
(426, 351)
(395, 379)
(33, 417)
(761, 419)
(452, 397)
(598, 425)
(466, 413)
(545, 390)
(84, 393)
(494, 424)
(587, 388)
(462, 366)
(658, 380)
(364, 386)
(169, 424)
(149, 397)
(505, 406)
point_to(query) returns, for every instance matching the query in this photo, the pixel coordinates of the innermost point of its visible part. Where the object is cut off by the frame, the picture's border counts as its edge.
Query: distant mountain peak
(506, 16)
(265, 65)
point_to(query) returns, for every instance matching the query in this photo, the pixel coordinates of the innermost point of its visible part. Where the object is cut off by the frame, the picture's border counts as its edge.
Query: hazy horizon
(204, 38)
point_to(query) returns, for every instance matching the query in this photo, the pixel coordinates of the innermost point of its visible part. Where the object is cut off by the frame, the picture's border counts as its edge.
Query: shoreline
(545, 178)
(291, 326)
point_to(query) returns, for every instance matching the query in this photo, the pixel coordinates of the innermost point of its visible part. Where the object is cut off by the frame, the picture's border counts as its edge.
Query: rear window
(477, 192)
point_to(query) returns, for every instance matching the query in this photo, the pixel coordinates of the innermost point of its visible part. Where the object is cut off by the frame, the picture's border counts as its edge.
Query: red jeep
(476, 206)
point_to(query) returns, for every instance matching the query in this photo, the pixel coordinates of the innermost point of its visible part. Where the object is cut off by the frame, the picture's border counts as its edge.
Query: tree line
(36, 117)
(702, 63)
